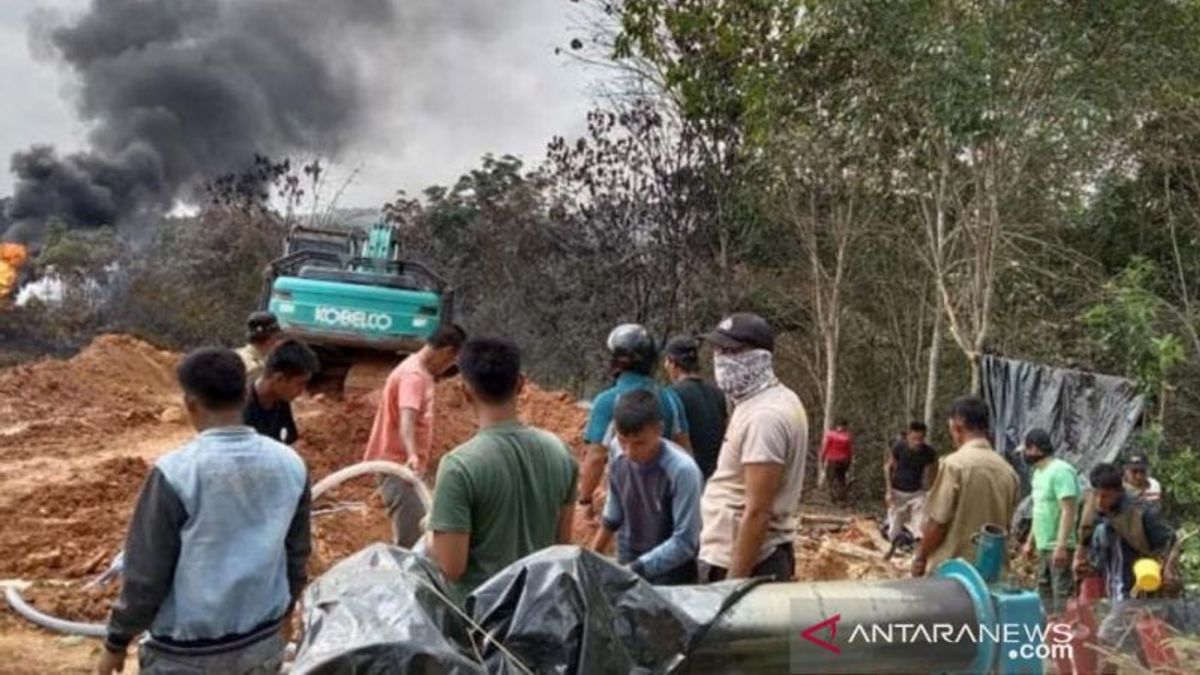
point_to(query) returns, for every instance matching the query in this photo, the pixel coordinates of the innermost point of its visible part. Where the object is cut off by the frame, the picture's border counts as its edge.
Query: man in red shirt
(836, 454)
(403, 428)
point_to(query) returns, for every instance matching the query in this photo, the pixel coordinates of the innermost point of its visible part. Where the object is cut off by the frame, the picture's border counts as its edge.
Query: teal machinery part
(379, 243)
(990, 544)
(1012, 625)
(1015, 607)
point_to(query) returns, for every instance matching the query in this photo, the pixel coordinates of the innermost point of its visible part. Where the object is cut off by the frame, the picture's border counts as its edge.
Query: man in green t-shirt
(1055, 494)
(507, 492)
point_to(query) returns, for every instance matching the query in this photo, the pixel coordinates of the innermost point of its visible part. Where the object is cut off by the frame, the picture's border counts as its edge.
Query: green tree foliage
(1127, 332)
(880, 179)
(969, 136)
(196, 281)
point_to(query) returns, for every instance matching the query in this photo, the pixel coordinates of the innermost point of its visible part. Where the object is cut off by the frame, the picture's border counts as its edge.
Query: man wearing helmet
(633, 357)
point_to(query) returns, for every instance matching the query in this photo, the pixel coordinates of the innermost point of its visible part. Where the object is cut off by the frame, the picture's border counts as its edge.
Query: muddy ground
(78, 436)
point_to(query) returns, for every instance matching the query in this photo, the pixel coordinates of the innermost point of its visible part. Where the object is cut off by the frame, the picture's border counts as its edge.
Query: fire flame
(12, 257)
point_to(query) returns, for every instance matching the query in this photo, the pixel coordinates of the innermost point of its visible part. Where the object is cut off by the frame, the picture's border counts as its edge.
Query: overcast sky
(469, 77)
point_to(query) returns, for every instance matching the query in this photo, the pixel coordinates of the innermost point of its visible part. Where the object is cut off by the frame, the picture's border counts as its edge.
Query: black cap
(1137, 461)
(742, 330)
(1040, 439)
(262, 324)
(682, 347)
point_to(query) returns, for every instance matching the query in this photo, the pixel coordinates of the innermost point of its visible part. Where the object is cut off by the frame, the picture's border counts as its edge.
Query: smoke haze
(173, 92)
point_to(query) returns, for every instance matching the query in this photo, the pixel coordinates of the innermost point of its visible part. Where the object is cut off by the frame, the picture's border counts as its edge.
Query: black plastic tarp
(562, 610)
(565, 610)
(383, 610)
(1091, 418)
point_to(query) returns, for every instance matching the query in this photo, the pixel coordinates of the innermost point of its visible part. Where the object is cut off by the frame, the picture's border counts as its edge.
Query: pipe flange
(985, 613)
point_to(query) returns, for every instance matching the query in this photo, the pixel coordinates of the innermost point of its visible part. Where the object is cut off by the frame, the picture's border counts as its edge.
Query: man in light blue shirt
(634, 357)
(653, 503)
(219, 542)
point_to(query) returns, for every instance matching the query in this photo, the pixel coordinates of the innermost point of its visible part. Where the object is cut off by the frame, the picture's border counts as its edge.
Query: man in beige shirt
(974, 487)
(749, 504)
(262, 334)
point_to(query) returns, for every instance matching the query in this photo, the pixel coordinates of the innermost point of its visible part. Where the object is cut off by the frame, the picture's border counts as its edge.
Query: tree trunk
(831, 354)
(931, 377)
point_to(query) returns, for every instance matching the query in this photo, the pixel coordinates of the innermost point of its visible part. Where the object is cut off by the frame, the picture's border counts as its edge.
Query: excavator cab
(349, 294)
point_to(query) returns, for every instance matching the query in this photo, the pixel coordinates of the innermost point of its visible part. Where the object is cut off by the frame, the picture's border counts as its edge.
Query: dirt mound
(114, 370)
(335, 433)
(68, 529)
(117, 382)
(72, 600)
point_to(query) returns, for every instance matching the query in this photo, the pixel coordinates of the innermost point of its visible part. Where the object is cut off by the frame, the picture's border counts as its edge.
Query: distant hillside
(348, 217)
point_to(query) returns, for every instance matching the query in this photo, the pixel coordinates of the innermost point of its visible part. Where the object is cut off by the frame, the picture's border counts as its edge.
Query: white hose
(92, 630)
(97, 630)
(375, 466)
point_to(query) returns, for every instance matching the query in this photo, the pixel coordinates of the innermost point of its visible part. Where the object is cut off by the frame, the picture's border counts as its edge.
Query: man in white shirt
(750, 501)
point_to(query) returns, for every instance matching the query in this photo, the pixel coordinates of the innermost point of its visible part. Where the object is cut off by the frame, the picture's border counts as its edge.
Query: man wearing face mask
(1055, 494)
(749, 504)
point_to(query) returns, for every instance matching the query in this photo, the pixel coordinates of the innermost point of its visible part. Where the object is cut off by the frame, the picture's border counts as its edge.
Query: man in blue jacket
(216, 551)
(653, 500)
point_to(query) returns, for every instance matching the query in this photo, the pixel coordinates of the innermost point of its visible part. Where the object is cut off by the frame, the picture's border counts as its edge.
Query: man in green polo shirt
(1055, 494)
(508, 491)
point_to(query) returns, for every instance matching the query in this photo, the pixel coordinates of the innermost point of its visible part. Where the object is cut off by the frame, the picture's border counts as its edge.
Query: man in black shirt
(268, 408)
(910, 468)
(703, 404)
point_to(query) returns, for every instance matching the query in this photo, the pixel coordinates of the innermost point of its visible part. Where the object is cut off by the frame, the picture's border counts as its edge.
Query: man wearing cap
(263, 333)
(703, 404)
(1055, 493)
(749, 504)
(1140, 485)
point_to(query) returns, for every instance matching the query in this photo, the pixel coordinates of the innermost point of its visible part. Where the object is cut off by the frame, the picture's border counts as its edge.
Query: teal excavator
(349, 294)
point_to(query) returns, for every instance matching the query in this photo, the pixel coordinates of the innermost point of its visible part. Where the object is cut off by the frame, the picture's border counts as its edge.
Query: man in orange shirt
(403, 428)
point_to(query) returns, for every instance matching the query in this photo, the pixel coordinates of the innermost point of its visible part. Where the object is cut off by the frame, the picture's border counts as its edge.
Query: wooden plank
(852, 550)
(870, 530)
(824, 519)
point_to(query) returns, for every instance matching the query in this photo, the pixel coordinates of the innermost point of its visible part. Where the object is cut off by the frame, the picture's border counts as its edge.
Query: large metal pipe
(761, 633)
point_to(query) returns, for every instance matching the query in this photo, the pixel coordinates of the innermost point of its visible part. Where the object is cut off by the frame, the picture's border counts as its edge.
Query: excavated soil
(52, 407)
(77, 438)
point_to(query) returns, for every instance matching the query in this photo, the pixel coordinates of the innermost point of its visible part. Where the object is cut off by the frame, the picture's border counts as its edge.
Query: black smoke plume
(179, 91)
